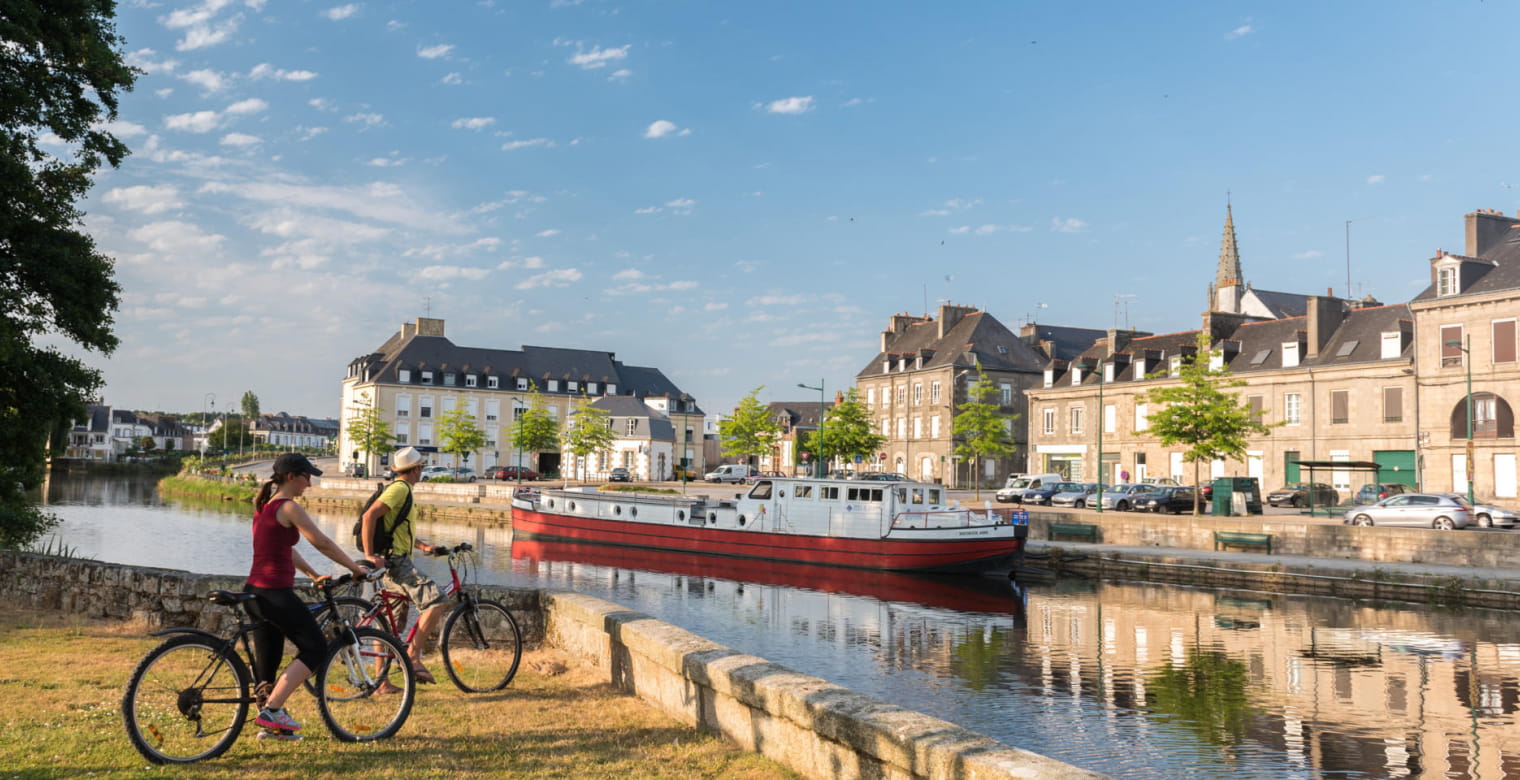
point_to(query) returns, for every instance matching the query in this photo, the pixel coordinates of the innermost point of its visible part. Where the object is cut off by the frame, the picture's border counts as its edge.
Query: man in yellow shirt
(400, 573)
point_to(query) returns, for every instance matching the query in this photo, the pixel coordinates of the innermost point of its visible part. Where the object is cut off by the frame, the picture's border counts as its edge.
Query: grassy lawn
(61, 680)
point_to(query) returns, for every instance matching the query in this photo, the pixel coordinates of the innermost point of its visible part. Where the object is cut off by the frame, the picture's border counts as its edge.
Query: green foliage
(847, 431)
(61, 72)
(233, 435)
(750, 431)
(146, 444)
(457, 432)
(1207, 694)
(250, 405)
(589, 431)
(984, 430)
(1200, 415)
(367, 427)
(535, 429)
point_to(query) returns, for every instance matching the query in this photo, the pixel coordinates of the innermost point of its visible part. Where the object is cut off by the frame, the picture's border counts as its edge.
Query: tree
(1199, 414)
(847, 431)
(750, 431)
(535, 430)
(61, 73)
(458, 434)
(368, 429)
(589, 431)
(985, 432)
(250, 405)
(146, 444)
(232, 435)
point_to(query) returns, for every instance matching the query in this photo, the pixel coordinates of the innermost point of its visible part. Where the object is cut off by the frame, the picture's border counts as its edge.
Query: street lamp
(1467, 362)
(819, 448)
(1098, 423)
(208, 403)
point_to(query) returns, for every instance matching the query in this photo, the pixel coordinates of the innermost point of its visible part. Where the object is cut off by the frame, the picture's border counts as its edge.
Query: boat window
(934, 497)
(803, 491)
(902, 495)
(865, 494)
(918, 496)
(830, 493)
(761, 489)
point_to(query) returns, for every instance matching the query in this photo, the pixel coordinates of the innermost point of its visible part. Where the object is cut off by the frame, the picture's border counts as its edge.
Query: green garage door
(1395, 466)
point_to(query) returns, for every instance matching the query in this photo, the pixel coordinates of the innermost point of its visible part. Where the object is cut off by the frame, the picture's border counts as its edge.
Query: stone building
(418, 374)
(1467, 333)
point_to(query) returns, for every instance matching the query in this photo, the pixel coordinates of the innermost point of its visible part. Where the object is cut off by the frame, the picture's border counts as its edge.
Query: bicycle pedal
(279, 734)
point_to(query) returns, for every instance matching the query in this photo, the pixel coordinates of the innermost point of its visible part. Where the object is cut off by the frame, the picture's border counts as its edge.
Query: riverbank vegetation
(179, 485)
(557, 719)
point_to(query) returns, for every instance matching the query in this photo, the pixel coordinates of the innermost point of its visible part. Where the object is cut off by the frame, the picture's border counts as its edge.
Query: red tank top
(273, 565)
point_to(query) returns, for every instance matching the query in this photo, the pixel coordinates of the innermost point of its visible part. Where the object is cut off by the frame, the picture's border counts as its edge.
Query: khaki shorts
(402, 576)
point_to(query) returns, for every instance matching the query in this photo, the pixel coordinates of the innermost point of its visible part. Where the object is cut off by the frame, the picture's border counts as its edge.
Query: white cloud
(663, 127)
(197, 122)
(146, 199)
(598, 57)
(194, 15)
(560, 278)
(339, 13)
(264, 70)
(934, 213)
(439, 252)
(443, 273)
(368, 120)
(776, 300)
(240, 139)
(206, 36)
(550, 233)
(121, 128)
(513, 145)
(791, 105)
(1239, 32)
(452, 79)
(962, 230)
(621, 74)
(715, 307)
(378, 202)
(434, 52)
(1308, 254)
(1068, 225)
(321, 104)
(206, 79)
(473, 122)
(648, 210)
(143, 58)
(176, 238)
(681, 205)
(308, 133)
(1376, 178)
(249, 106)
(387, 162)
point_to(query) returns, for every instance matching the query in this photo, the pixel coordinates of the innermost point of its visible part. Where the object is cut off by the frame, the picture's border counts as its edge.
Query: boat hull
(967, 550)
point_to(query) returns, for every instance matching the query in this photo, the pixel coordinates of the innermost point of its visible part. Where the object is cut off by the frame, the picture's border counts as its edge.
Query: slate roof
(797, 414)
(1283, 304)
(1067, 342)
(977, 337)
(622, 407)
(438, 354)
(1498, 269)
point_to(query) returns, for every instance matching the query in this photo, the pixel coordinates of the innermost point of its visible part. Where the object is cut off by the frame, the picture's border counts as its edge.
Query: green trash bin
(1225, 490)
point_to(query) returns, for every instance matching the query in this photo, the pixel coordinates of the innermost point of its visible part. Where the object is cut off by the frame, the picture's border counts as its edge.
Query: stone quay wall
(817, 729)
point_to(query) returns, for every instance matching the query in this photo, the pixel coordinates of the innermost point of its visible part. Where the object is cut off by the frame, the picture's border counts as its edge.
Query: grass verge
(207, 489)
(60, 693)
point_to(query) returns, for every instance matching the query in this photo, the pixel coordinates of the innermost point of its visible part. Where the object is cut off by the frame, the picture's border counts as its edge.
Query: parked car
(1416, 510)
(759, 475)
(1297, 495)
(1122, 497)
(842, 474)
(1013, 491)
(464, 474)
(733, 472)
(620, 474)
(512, 473)
(1074, 494)
(1488, 515)
(684, 474)
(1170, 499)
(430, 473)
(1041, 495)
(1373, 492)
(884, 476)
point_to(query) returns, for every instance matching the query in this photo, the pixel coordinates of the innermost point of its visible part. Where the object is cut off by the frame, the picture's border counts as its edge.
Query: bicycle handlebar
(440, 550)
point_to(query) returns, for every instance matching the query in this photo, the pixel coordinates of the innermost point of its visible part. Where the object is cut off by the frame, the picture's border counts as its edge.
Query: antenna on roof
(427, 306)
(1029, 318)
(1117, 298)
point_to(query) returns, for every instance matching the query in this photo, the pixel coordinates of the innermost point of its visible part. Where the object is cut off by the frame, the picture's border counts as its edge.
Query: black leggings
(285, 616)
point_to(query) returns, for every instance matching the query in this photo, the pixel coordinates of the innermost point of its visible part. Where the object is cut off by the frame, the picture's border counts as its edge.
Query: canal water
(1132, 680)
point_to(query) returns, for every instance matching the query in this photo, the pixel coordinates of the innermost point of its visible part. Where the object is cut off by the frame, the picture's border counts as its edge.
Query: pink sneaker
(279, 720)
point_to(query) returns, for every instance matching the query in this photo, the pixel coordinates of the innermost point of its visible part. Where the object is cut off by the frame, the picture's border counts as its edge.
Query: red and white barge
(893, 526)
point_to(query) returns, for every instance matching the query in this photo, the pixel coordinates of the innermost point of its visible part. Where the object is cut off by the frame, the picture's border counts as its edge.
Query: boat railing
(958, 518)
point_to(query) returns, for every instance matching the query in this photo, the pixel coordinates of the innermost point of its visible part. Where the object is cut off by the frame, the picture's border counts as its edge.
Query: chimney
(1324, 315)
(950, 314)
(429, 327)
(408, 330)
(896, 326)
(1486, 229)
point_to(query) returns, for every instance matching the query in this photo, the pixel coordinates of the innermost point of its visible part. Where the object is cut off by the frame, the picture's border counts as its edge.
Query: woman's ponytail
(265, 491)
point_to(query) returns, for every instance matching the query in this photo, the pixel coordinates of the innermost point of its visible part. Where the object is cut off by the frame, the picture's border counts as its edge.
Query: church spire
(1228, 281)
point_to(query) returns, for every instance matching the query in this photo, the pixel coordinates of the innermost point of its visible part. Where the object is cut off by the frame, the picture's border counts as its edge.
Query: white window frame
(493, 383)
(1005, 394)
(1075, 420)
(934, 392)
(1292, 409)
(1448, 280)
(918, 393)
(1049, 415)
(1290, 354)
(1142, 417)
(1393, 344)
(1110, 418)
(404, 375)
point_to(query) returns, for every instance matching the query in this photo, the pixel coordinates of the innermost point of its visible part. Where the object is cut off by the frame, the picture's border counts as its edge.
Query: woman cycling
(278, 523)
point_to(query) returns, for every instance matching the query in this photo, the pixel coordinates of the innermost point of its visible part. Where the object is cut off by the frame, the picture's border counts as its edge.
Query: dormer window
(1050, 377)
(1108, 372)
(493, 383)
(404, 375)
(1393, 344)
(448, 378)
(1076, 376)
(1174, 366)
(522, 383)
(572, 385)
(902, 364)
(1447, 281)
(591, 388)
(886, 366)
(611, 389)
(427, 377)
(1290, 354)
(554, 385)
(470, 380)
(1216, 360)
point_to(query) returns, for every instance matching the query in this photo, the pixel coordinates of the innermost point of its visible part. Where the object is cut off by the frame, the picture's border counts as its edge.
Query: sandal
(422, 674)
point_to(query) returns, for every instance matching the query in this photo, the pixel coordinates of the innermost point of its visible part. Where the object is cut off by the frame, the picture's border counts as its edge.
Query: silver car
(1074, 494)
(1122, 497)
(1488, 515)
(1415, 510)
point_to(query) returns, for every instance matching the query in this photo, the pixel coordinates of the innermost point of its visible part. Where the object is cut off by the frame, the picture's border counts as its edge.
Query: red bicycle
(481, 642)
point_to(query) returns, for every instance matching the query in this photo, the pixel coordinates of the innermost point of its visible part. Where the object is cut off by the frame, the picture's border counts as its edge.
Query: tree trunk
(1197, 489)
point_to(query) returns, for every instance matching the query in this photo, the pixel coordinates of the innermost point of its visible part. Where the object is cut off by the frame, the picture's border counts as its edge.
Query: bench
(1238, 539)
(1073, 529)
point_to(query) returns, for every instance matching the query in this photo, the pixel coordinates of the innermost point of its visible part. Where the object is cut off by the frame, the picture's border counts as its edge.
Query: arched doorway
(1492, 418)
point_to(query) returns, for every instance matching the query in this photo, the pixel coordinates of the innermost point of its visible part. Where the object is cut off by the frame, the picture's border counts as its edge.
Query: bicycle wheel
(353, 686)
(353, 610)
(186, 700)
(481, 646)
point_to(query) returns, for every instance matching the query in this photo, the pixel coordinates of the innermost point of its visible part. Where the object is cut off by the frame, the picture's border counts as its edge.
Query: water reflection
(1132, 680)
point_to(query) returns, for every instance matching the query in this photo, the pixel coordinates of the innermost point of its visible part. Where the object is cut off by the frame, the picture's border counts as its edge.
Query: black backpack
(384, 533)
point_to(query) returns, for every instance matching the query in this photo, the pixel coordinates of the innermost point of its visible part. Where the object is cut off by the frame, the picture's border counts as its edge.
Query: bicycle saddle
(229, 598)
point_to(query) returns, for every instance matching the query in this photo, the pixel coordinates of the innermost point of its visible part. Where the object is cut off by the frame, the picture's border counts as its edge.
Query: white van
(1013, 492)
(733, 472)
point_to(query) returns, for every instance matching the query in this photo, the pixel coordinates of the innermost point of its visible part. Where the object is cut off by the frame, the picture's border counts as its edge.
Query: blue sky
(742, 194)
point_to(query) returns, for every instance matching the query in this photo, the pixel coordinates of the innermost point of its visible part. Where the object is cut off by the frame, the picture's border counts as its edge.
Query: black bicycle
(188, 698)
(481, 642)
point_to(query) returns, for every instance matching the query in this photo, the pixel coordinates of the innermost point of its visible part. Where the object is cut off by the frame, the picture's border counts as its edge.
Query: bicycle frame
(389, 602)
